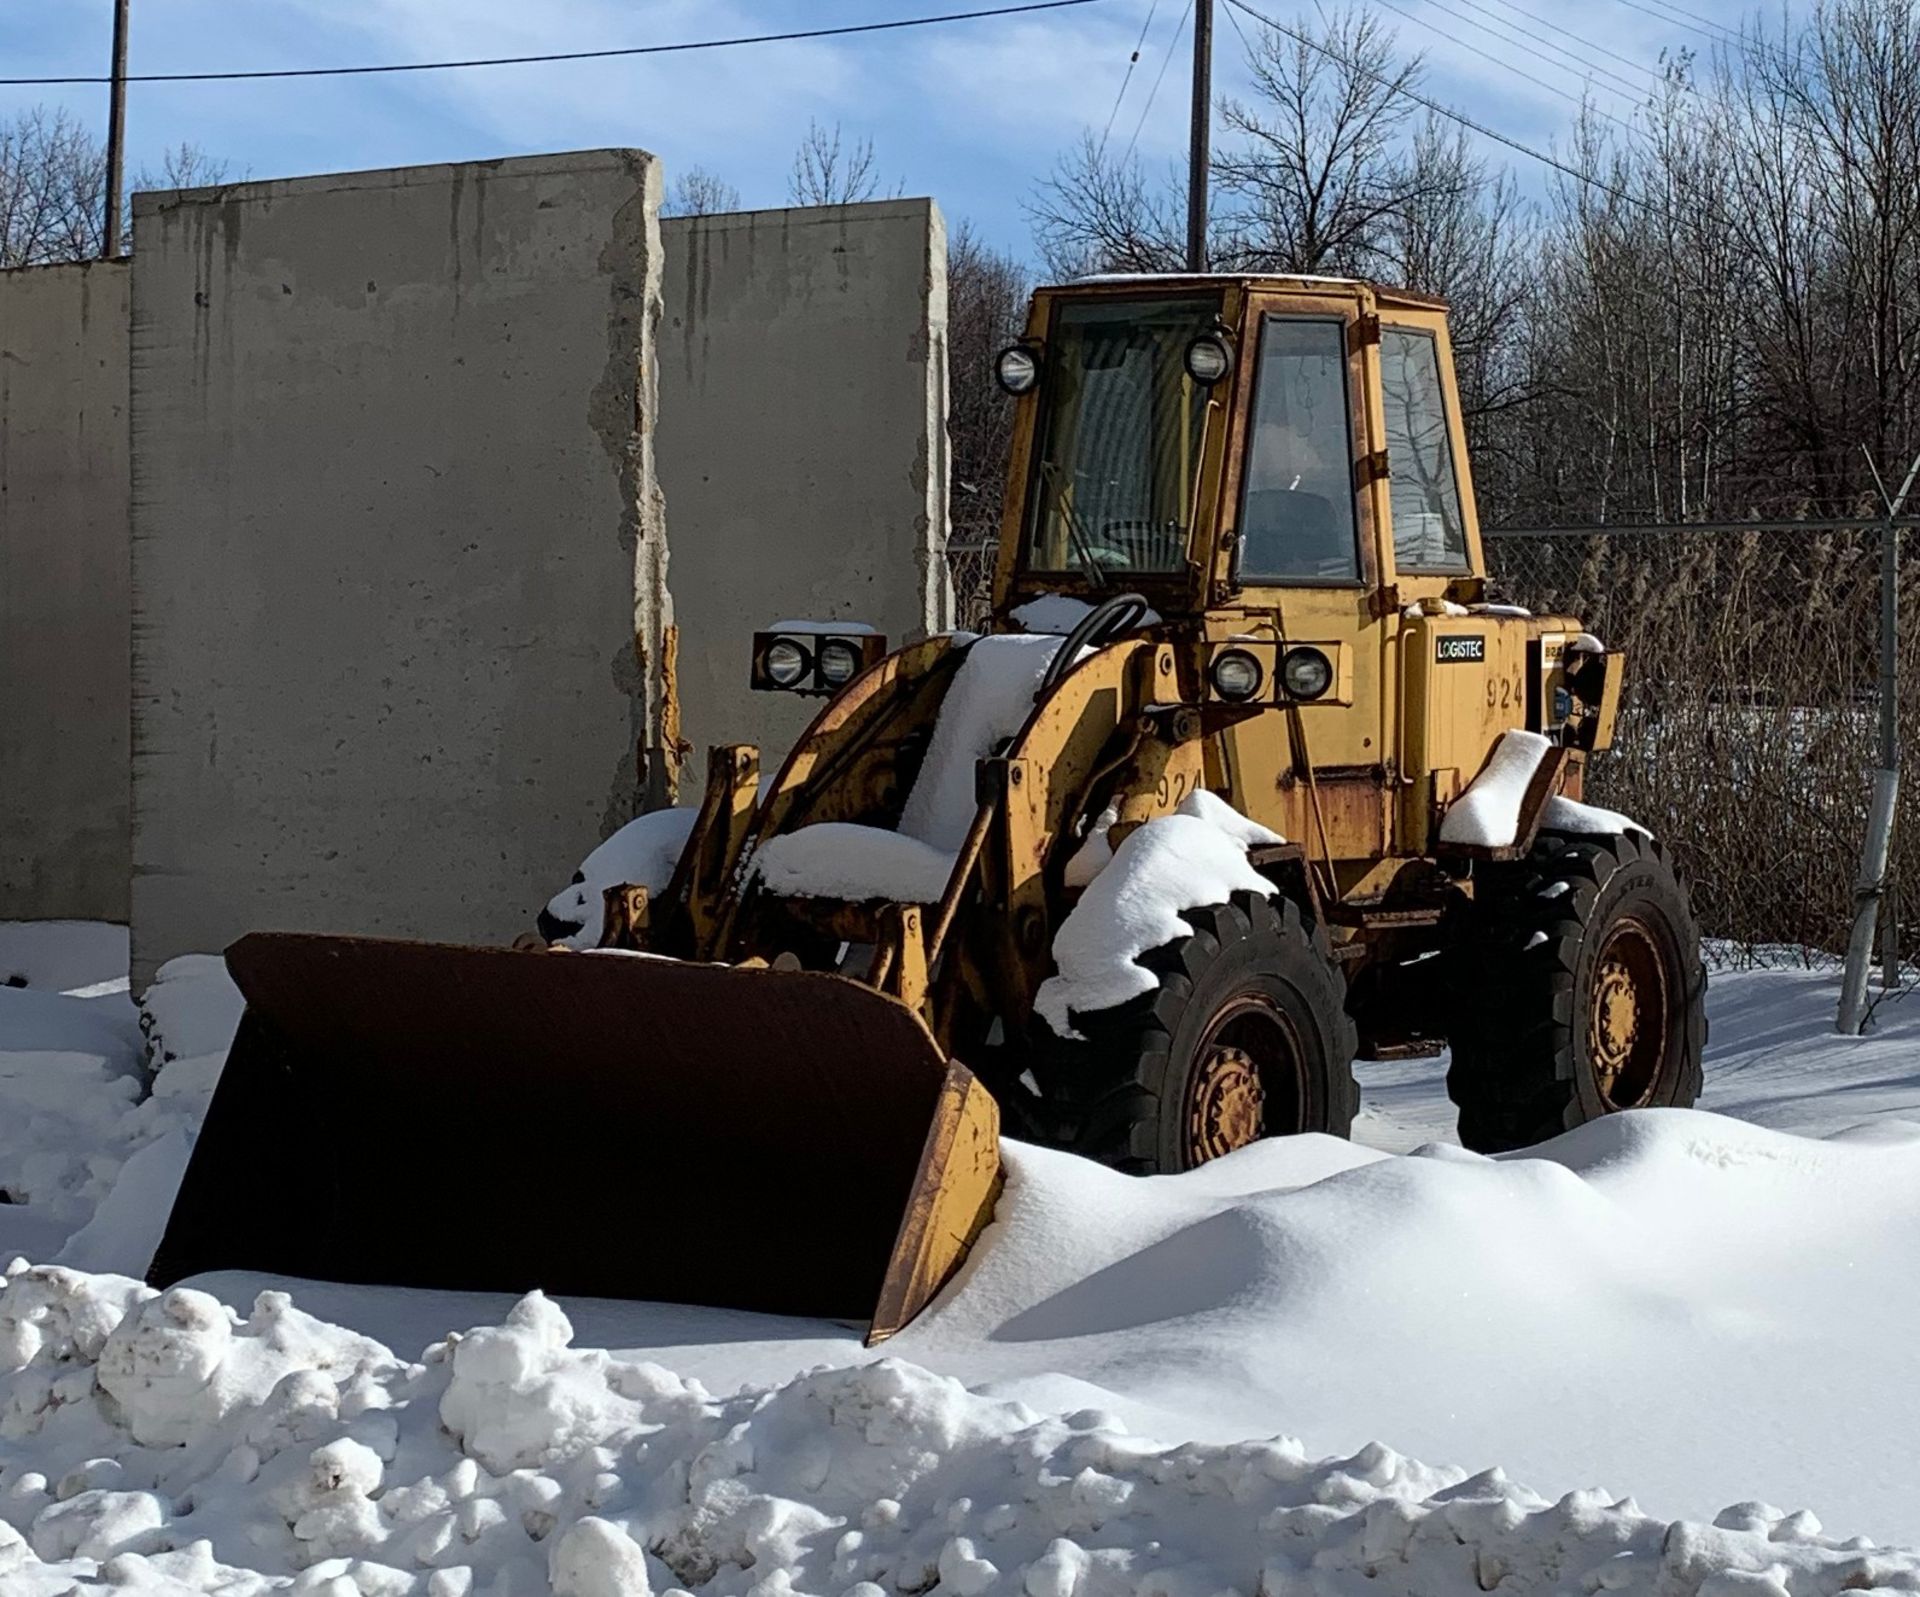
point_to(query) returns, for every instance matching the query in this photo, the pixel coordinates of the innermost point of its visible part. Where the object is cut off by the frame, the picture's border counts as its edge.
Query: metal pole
(1886, 780)
(1197, 154)
(116, 133)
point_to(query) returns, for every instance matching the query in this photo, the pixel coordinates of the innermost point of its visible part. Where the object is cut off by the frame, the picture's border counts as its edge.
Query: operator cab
(1197, 437)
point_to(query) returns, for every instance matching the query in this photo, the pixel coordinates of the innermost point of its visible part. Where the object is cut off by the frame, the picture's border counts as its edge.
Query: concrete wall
(396, 545)
(803, 442)
(63, 593)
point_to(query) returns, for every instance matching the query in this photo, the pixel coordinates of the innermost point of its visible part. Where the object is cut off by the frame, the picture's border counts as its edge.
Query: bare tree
(1318, 173)
(53, 182)
(829, 171)
(986, 310)
(698, 192)
(53, 187)
(184, 166)
(1102, 213)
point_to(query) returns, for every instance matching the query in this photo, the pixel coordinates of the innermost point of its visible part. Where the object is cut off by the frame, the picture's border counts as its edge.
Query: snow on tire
(1580, 991)
(1246, 1036)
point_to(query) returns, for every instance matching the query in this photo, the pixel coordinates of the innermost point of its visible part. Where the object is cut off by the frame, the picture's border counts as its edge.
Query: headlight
(838, 662)
(787, 662)
(1209, 359)
(1236, 675)
(1306, 673)
(1018, 368)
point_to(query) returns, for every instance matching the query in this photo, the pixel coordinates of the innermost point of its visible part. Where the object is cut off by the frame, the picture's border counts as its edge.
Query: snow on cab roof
(1225, 277)
(1386, 291)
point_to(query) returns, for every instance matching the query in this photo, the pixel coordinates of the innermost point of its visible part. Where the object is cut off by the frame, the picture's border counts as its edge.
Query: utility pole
(116, 132)
(1197, 156)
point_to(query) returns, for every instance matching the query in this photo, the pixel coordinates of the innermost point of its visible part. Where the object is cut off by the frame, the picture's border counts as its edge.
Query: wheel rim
(1627, 1018)
(1247, 1081)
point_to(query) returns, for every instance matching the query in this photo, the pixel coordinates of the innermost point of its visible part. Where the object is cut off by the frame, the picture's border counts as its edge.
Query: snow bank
(92, 1141)
(161, 1442)
(642, 853)
(1194, 857)
(63, 955)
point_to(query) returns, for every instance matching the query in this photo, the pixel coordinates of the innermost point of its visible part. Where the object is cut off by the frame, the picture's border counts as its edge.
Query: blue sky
(972, 113)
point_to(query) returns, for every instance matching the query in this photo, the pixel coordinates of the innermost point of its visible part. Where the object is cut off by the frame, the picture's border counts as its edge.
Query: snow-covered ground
(1698, 1308)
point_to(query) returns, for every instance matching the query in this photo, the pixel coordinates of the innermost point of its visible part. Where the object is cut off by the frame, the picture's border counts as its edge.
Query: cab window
(1429, 533)
(1297, 505)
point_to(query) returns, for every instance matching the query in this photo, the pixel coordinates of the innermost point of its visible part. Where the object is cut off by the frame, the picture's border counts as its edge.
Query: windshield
(1120, 435)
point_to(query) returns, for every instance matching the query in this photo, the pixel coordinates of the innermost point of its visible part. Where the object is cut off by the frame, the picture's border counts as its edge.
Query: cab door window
(1429, 533)
(1297, 521)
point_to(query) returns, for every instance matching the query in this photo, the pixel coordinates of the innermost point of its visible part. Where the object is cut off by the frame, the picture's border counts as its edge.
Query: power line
(1147, 110)
(1502, 61)
(1582, 39)
(1132, 62)
(1683, 11)
(561, 55)
(1721, 38)
(1443, 110)
(1587, 64)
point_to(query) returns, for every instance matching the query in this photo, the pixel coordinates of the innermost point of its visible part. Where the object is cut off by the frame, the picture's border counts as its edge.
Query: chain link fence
(1747, 731)
(970, 567)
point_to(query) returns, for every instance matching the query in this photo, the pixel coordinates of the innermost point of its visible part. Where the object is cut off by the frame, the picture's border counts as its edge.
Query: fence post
(1886, 780)
(1890, 931)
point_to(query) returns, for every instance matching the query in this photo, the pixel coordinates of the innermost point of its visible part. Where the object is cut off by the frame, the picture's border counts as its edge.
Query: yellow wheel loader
(1240, 588)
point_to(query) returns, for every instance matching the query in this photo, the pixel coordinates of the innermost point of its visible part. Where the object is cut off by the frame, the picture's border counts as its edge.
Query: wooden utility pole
(116, 133)
(1197, 155)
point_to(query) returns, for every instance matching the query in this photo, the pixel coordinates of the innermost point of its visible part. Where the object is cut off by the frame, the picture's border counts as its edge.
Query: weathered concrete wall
(803, 442)
(396, 545)
(63, 592)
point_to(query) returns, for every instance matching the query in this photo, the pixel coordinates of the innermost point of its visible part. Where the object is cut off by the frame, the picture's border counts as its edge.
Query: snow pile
(988, 701)
(840, 859)
(1194, 857)
(92, 1146)
(1563, 814)
(643, 853)
(1487, 814)
(191, 1010)
(161, 1442)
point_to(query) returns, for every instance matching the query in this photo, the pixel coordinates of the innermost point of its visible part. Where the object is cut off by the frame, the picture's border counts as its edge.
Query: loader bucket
(410, 1114)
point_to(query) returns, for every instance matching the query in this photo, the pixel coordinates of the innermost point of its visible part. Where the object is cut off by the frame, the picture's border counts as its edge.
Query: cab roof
(1270, 282)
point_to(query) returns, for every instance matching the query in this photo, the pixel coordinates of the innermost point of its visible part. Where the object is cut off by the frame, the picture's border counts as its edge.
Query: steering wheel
(1116, 614)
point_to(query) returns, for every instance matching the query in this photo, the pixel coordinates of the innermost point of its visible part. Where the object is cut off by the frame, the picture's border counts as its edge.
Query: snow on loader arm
(411, 1114)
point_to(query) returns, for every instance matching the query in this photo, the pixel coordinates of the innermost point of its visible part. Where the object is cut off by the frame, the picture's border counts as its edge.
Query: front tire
(1247, 1037)
(1580, 992)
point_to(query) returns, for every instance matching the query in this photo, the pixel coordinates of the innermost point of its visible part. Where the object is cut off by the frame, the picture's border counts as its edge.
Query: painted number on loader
(1503, 693)
(1173, 789)
(1456, 650)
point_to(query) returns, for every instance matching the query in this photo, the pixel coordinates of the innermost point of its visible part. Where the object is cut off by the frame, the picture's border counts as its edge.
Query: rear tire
(1246, 1037)
(1579, 992)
